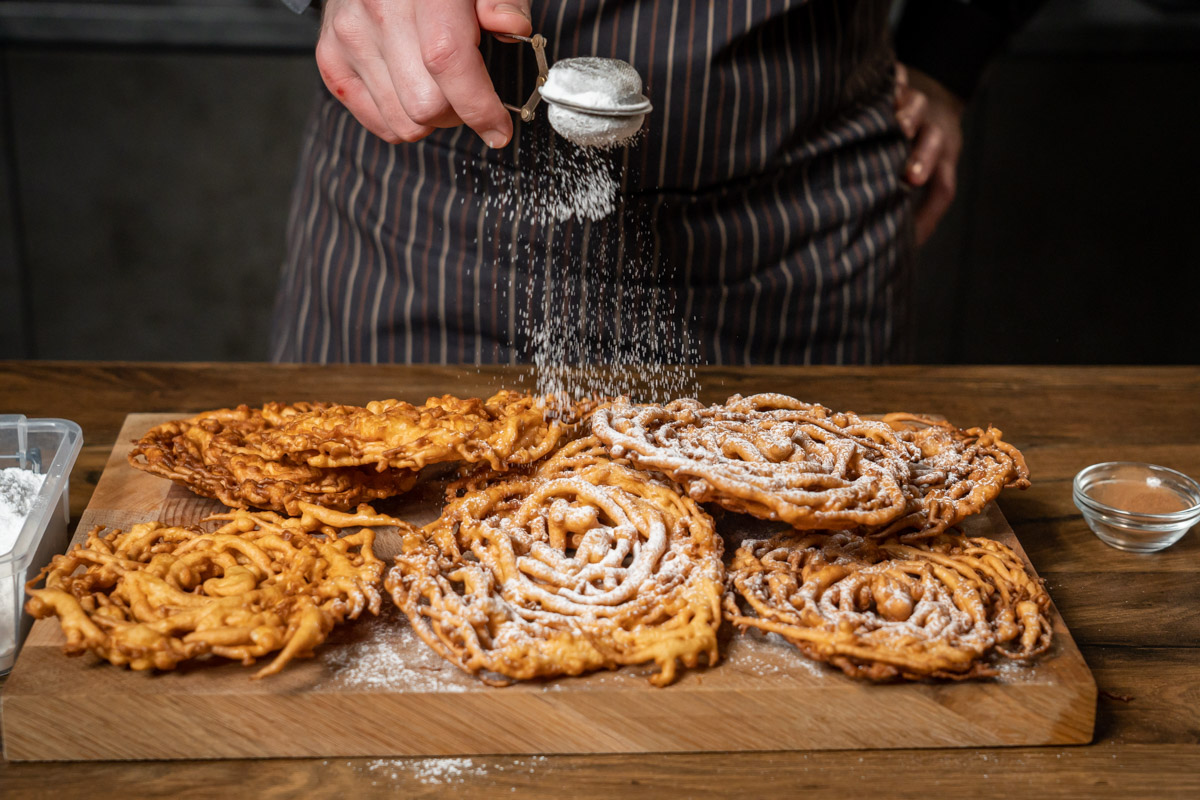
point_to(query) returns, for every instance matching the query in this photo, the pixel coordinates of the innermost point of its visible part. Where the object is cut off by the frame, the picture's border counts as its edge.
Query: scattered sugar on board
(1011, 670)
(390, 656)
(439, 771)
(769, 654)
(427, 770)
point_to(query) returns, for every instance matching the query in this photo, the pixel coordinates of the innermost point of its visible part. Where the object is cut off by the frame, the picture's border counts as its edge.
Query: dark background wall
(1074, 237)
(153, 193)
(149, 149)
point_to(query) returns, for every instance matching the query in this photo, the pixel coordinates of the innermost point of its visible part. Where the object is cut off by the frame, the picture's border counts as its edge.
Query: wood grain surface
(762, 696)
(1133, 616)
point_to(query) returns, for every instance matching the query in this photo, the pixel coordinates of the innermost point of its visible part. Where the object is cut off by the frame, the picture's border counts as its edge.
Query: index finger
(937, 201)
(449, 36)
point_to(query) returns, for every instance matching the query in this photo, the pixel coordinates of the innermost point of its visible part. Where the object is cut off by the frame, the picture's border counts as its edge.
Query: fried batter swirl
(883, 610)
(507, 429)
(584, 564)
(218, 455)
(155, 595)
(777, 458)
(770, 456)
(339, 456)
(956, 475)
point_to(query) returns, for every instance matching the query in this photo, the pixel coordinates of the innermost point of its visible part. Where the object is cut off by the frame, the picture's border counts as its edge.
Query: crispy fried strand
(957, 474)
(507, 429)
(768, 455)
(884, 610)
(777, 458)
(217, 455)
(155, 595)
(584, 564)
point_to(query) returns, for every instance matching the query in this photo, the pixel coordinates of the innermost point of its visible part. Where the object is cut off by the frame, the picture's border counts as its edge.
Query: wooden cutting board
(374, 689)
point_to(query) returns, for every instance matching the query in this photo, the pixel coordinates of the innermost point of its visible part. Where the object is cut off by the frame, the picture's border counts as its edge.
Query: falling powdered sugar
(587, 191)
(602, 316)
(583, 288)
(561, 184)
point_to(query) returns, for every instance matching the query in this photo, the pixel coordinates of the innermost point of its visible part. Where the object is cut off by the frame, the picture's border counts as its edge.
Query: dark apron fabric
(761, 219)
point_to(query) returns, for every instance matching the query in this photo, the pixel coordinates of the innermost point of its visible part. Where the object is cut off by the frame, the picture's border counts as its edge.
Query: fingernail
(509, 8)
(917, 168)
(495, 139)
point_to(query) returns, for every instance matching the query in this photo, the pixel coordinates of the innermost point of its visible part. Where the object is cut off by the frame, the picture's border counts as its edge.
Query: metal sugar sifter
(591, 101)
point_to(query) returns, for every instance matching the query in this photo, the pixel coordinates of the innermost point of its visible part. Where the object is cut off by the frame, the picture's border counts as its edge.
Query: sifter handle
(538, 43)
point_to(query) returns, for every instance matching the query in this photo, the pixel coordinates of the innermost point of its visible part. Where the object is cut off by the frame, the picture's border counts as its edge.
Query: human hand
(405, 67)
(931, 118)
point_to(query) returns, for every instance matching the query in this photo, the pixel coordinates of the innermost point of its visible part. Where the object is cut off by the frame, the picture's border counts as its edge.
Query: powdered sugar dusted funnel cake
(590, 101)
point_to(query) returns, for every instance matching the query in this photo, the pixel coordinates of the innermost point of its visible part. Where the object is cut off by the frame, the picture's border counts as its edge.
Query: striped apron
(761, 216)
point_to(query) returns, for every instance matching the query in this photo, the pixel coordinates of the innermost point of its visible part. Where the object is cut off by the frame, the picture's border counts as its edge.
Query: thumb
(504, 16)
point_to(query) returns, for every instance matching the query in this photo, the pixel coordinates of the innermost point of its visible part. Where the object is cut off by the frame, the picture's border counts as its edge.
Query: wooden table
(1135, 617)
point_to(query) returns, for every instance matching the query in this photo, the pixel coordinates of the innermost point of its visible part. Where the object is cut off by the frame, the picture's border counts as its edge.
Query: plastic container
(1137, 507)
(49, 447)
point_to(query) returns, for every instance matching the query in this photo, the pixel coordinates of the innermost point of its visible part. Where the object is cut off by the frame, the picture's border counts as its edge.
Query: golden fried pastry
(154, 596)
(768, 455)
(507, 429)
(777, 458)
(957, 474)
(217, 455)
(578, 565)
(883, 610)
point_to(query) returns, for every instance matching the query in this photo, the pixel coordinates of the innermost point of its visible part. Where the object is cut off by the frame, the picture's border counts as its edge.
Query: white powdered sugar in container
(18, 490)
(36, 458)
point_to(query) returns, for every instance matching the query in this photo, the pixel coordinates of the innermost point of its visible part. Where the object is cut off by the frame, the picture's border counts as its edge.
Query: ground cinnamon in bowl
(1138, 496)
(1137, 507)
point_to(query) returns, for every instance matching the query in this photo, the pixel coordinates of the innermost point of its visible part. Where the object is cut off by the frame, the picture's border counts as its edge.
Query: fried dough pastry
(884, 610)
(957, 474)
(777, 458)
(217, 454)
(768, 455)
(507, 429)
(579, 565)
(155, 595)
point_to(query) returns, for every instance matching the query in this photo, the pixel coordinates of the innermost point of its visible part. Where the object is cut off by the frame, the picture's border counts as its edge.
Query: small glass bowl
(1138, 531)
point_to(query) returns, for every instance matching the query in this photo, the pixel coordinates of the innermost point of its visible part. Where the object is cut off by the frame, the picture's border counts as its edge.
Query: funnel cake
(154, 596)
(339, 456)
(507, 429)
(579, 565)
(956, 475)
(768, 455)
(884, 610)
(217, 455)
(777, 458)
